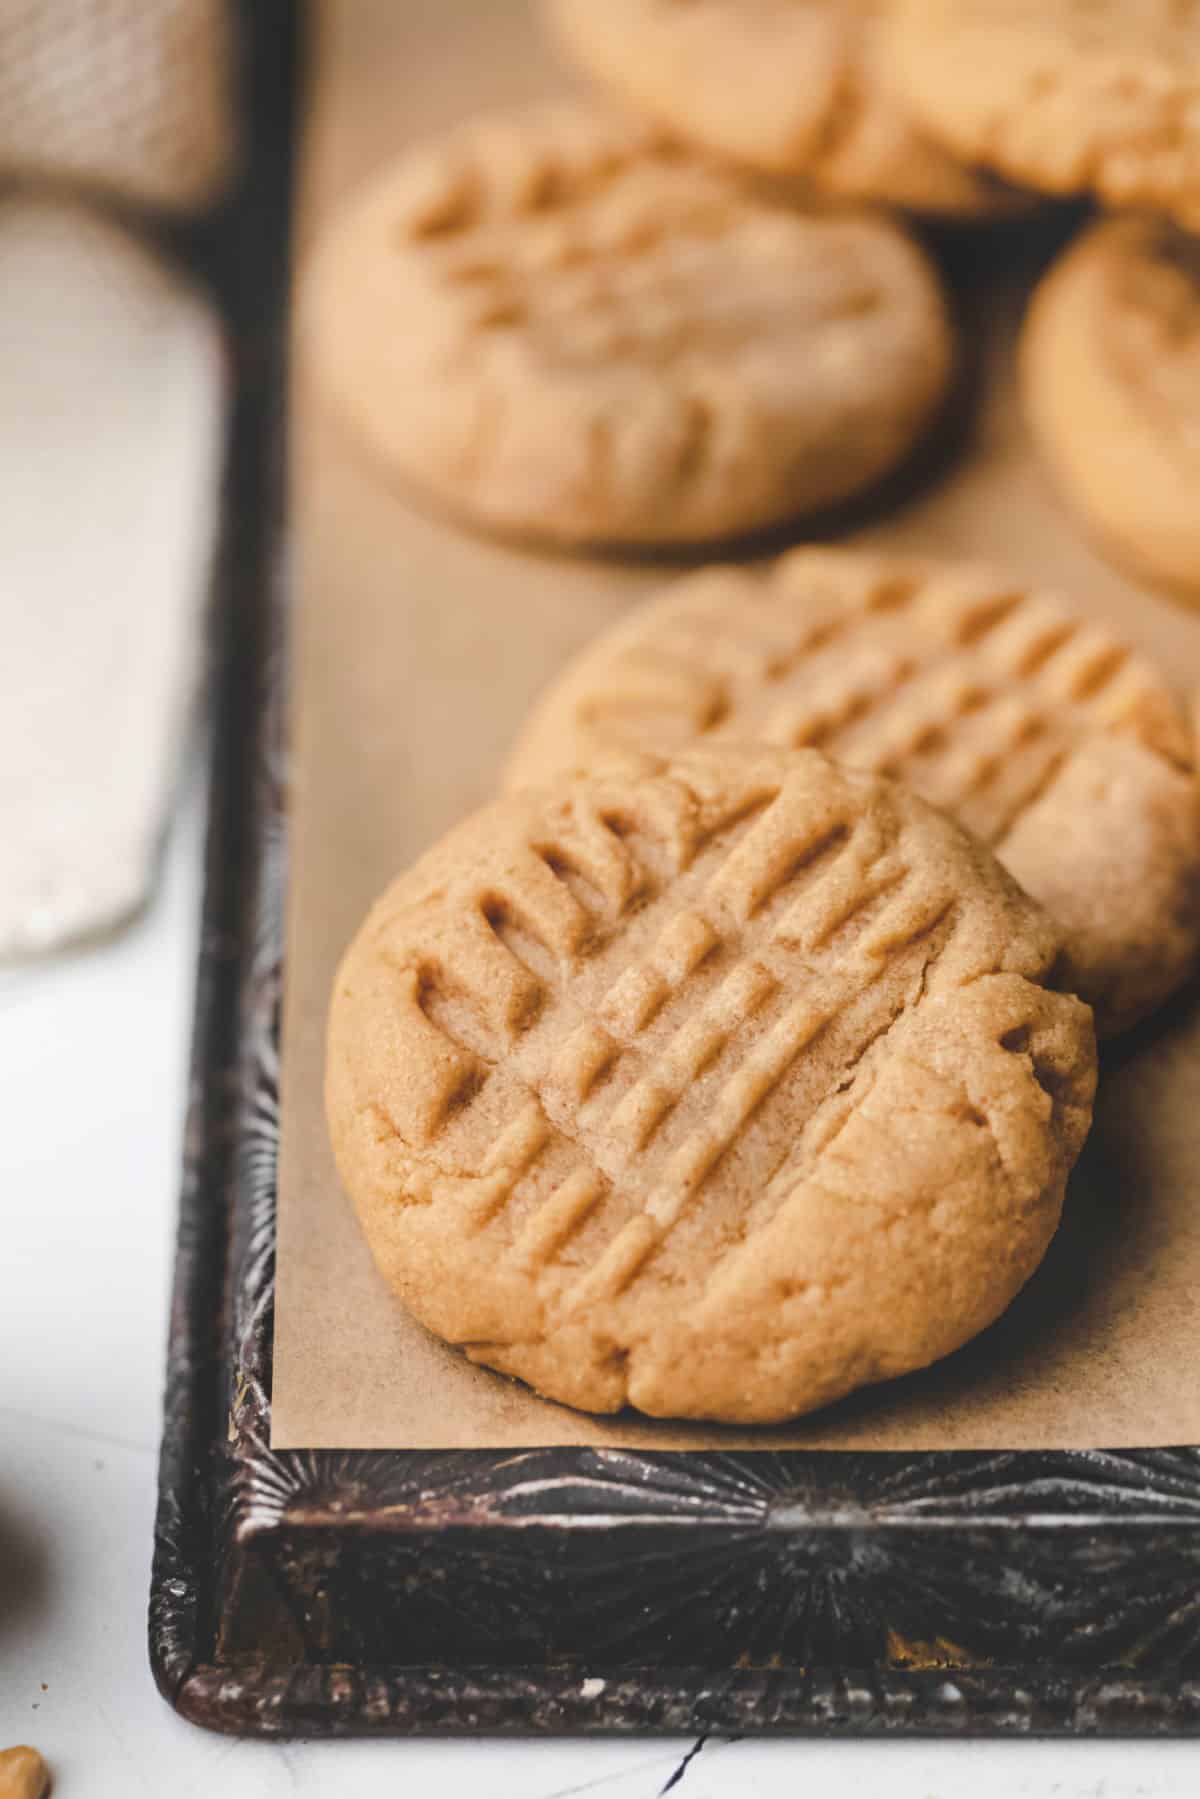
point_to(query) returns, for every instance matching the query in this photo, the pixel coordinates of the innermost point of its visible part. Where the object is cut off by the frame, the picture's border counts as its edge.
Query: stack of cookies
(737, 1055)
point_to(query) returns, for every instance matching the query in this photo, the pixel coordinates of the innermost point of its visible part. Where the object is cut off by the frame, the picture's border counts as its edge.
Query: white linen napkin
(111, 408)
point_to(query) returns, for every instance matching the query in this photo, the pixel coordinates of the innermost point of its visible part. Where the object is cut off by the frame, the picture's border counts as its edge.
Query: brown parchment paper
(416, 652)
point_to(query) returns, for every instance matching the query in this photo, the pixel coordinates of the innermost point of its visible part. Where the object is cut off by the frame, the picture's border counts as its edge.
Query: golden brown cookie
(718, 1092)
(1038, 729)
(1110, 381)
(1069, 96)
(564, 329)
(789, 87)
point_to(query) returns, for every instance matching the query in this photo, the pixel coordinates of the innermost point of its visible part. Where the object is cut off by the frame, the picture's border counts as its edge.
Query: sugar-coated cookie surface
(717, 1092)
(790, 87)
(1040, 730)
(1070, 96)
(562, 328)
(1110, 382)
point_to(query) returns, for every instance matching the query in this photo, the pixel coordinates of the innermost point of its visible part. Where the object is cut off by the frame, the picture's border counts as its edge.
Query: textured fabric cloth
(132, 96)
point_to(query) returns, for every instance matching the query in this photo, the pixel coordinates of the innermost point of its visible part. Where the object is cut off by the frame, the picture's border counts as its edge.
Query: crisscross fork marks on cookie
(970, 689)
(535, 908)
(512, 1155)
(962, 666)
(846, 871)
(590, 232)
(632, 1208)
(810, 867)
(1066, 95)
(745, 1091)
(565, 327)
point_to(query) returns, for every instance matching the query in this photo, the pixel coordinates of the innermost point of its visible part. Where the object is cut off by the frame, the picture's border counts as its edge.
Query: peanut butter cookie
(1069, 96)
(562, 328)
(717, 1092)
(1110, 380)
(1041, 731)
(788, 87)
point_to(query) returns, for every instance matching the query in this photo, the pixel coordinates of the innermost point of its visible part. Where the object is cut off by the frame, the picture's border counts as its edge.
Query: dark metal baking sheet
(333, 1593)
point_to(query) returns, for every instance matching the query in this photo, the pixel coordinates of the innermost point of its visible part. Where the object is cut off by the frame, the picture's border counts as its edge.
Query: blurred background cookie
(1038, 729)
(1068, 96)
(1110, 383)
(718, 1092)
(791, 87)
(564, 328)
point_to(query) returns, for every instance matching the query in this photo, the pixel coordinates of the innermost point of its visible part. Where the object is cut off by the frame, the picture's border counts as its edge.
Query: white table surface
(93, 1051)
